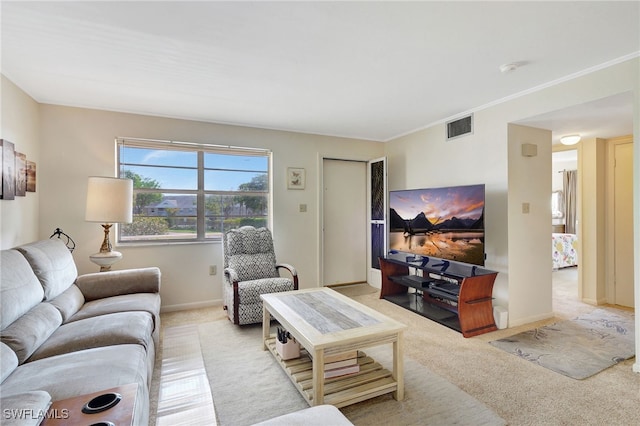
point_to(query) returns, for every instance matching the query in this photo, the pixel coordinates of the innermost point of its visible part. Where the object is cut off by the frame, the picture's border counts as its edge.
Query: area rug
(248, 386)
(577, 348)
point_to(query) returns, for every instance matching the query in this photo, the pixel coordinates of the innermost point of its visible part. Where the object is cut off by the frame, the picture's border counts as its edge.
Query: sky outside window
(182, 173)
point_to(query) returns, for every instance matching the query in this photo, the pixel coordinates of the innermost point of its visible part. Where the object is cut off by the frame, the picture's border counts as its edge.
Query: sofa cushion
(116, 283)
(8, 361)
(25, 409)
(52, 263)
(146, 302)
(69, 302)
(20, 289)
(83, 372)
(29, 331)
(105, 330)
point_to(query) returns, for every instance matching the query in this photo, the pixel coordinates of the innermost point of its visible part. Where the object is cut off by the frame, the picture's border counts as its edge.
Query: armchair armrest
(99, 285)
(292, 271)
(231, 275)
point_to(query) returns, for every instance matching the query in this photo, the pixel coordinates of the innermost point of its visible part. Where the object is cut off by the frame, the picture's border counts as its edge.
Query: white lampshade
(570, 140)
(109, 200)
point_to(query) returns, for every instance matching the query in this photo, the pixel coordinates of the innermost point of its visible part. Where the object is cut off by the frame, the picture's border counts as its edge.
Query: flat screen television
(446, 223)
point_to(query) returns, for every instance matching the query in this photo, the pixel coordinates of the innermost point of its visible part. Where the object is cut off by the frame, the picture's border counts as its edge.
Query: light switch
(525, 208)
(303, 208)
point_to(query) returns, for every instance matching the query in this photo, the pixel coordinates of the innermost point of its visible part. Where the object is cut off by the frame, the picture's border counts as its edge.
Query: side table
(68, 412)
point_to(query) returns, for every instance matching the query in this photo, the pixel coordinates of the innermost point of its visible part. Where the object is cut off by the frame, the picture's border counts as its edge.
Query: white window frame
(200, 192)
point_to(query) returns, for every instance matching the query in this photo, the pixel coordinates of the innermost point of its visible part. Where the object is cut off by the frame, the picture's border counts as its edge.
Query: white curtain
(569, 183)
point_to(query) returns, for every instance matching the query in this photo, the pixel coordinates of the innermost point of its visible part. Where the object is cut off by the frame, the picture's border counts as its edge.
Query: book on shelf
(341, 356)
(342, 371)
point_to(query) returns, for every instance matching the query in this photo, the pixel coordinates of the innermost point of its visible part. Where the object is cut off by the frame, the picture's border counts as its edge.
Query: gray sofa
(64, 335)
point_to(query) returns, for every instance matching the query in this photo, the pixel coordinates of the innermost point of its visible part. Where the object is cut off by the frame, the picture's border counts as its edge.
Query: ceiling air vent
(460, 127)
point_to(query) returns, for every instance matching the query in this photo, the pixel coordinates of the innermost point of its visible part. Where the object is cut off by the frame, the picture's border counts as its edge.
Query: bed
(564, 251)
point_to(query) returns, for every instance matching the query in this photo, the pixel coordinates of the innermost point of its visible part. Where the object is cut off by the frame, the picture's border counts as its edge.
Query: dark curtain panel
(377, 190)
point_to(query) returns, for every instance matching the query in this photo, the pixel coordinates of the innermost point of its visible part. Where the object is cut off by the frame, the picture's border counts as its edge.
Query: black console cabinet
(454, 294)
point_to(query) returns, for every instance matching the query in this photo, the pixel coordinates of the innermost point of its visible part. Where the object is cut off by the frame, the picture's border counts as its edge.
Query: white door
(344, 222)
(623, 224)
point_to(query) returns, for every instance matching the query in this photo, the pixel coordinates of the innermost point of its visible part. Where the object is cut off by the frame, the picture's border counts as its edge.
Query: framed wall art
(295, 178)
(8, 170)
(21, 174)
(31, 176)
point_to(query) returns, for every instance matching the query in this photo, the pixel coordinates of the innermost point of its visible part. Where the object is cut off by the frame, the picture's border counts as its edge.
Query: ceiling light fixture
(505, 68)
(570, 139)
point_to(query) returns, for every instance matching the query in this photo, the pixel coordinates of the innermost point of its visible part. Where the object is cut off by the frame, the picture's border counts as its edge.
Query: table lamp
(109, 201)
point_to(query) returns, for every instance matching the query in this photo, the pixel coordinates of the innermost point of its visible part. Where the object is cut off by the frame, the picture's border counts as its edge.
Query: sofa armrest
(99, 285)
(24, 409)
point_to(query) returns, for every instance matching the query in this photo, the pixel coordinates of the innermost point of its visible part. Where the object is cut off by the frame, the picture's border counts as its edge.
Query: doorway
(344, 219)
(566, 244)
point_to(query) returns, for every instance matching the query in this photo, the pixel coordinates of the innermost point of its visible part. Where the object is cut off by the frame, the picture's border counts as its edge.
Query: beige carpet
(249, 386)
(518, 391)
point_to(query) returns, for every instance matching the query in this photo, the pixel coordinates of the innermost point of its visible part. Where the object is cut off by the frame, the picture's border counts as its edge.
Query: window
(192, 192)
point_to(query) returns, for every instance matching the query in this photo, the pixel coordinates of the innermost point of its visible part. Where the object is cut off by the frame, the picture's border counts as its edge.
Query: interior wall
(78, 143)
(591, 220)
(19, 124)
(426, 159)
(530, 258)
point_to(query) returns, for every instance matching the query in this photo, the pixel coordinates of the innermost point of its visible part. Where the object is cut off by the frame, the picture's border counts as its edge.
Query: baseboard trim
(528, 320)
(193, 305)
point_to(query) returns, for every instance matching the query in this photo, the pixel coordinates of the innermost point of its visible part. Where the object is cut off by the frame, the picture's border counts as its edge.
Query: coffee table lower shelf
(372, 380)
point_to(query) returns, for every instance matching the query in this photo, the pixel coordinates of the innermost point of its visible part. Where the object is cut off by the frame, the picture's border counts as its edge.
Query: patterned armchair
(250, 269)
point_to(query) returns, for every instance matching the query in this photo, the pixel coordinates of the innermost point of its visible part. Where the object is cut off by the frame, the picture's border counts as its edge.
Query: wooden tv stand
(454, 294)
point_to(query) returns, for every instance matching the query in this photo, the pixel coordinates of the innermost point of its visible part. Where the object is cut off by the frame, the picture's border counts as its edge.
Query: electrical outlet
(526, 208)
(213, 270)
(303, 208)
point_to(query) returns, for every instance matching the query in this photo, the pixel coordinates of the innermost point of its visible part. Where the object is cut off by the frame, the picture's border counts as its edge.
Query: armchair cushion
(250, 291)
(248, 240)
(253, 266)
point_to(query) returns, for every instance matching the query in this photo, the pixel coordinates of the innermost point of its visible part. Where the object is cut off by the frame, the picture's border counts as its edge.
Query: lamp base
(106, 259)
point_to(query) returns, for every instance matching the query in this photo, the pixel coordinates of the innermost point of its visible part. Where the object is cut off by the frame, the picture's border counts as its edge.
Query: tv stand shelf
(454, 294)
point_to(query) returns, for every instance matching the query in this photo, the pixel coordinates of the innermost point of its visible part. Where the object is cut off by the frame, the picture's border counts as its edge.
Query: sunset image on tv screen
(447, 223)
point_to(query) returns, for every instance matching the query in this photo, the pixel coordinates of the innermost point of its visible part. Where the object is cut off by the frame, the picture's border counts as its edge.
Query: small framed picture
(295, 178)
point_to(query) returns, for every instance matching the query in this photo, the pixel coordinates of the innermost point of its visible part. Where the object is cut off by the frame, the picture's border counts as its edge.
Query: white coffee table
(326, 322)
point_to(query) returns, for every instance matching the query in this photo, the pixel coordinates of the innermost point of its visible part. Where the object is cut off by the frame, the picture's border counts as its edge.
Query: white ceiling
(371, 70)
